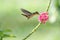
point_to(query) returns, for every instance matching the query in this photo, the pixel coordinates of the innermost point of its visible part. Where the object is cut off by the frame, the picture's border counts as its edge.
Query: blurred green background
(11, 18)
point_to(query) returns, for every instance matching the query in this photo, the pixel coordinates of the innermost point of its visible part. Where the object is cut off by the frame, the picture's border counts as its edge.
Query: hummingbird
(28, 14)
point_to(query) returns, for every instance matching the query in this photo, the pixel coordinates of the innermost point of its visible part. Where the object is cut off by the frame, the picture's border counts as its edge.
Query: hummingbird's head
(36, 13)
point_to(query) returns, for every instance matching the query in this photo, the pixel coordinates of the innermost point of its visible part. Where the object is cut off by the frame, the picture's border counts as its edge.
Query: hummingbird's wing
(26, 13)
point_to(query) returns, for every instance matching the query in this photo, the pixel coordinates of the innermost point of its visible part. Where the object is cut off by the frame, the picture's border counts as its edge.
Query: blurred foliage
(4, 34)
(11, 18)
(57, 4)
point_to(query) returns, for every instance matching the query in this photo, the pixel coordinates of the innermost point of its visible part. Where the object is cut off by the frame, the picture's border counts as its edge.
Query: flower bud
(43, 17)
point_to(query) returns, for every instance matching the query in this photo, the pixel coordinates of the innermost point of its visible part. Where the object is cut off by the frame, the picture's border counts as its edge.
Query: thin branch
(32, 31)
(49, 5)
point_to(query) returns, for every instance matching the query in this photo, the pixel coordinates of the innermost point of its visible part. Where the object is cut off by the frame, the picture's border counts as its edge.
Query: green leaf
(6, 35)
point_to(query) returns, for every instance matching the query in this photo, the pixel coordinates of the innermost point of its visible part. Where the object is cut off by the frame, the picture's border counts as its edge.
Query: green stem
(49, 5)
(32, 31)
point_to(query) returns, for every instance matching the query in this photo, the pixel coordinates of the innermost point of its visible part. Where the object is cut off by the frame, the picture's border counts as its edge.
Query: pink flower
(43, 17)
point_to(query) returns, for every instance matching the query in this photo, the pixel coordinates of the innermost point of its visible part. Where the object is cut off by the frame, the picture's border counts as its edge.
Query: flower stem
(32, 31)
(49, 5)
